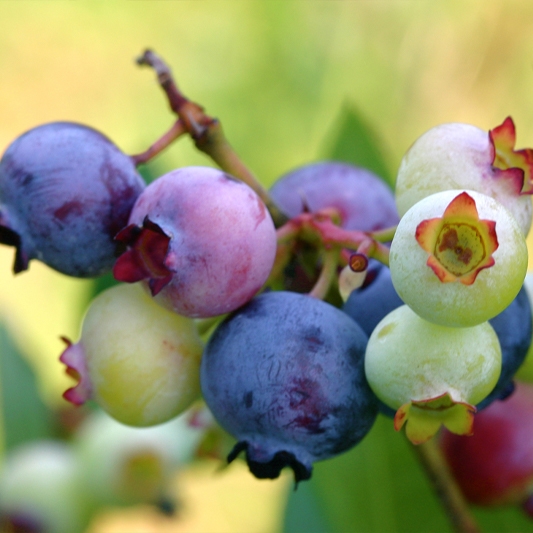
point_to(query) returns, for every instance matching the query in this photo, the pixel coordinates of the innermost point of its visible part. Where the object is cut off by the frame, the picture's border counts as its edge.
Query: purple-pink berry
(202, 241)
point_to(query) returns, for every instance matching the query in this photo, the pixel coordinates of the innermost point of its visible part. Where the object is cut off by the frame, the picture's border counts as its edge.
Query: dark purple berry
(65, 191)
(374, 300)
(494, 466)
(365, 202)
(285, 376)
(514, 329)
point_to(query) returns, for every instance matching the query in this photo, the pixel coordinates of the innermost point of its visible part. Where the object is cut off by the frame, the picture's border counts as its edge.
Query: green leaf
(377, 487)
(101, 284)
(303, 512)
(353, 140)
(505, 520)
(24, 416)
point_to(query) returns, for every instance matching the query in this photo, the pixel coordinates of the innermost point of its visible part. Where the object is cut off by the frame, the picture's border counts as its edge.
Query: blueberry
(203, 242)
(65, 191)
(514, 329)
(364, 202)
(285, 376)
(374, 300)
(513, 326)
(363, 199)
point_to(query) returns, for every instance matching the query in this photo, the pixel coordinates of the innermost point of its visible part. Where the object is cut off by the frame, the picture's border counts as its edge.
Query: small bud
(353, 275)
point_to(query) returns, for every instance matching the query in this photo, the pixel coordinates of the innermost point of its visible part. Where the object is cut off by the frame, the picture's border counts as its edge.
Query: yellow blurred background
(276, 72)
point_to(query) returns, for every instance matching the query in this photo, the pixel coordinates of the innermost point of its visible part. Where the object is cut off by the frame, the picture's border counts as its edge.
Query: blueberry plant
(296, 314)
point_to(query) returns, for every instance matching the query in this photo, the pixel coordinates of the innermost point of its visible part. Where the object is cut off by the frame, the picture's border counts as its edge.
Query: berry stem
(207, 132)
(177, 130)
(445, 487)
(327, 274)
(384, 235)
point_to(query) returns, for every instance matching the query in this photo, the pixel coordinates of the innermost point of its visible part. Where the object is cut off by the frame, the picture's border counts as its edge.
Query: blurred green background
(280, 74)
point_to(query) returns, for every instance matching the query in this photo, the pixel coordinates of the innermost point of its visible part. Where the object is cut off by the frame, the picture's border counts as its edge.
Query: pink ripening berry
(201, 240)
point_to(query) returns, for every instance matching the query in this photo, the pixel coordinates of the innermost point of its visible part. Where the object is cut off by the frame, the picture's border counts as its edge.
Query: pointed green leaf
(355, 141)
(377, 487)
(23, 415)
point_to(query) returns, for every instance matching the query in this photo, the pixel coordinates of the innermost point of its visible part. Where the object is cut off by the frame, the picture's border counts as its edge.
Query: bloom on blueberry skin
(203, 242)
(65, 192)
(462, 156)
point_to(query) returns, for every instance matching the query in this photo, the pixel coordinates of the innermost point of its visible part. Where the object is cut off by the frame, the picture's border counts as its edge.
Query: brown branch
(207, 132)
(166, 140)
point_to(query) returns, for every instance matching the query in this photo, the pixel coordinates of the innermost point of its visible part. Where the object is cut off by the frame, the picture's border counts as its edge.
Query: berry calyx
(517, 163)
(146, 257)
(285, 376)
(459, 243)
(461, 156)
(461, 236)
(431, 375)
(426, 417)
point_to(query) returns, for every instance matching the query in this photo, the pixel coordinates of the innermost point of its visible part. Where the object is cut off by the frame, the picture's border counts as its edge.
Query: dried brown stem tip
(206, 132)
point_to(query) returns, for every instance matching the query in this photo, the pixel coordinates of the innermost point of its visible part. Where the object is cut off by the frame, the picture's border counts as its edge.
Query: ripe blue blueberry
(363, 199)
(514, 329)
(285, 376)
(374, 300)
(65, 191)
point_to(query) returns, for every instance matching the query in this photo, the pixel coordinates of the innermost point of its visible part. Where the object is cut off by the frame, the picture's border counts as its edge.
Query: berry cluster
(54, 486)
(296, 313)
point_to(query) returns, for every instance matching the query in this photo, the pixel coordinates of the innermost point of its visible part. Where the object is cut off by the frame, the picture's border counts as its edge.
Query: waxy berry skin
(495, 465)
(41, 490)
(65, 191)
(374, 300)
(137, 360)
(202, 241)
(514, 329)
(461, 156)
(285, 376)
(458, 258)
(363, 199)
(513, 326)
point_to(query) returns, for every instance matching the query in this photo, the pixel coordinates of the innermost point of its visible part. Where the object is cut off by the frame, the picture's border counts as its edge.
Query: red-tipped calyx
(460, 244)
(74, 358)
(515, 165)
(424, 417)
(145, 257)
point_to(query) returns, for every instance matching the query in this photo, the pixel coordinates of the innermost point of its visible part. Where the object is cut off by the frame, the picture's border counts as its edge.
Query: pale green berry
(139, 361)
(40, 485)
(458, 258)
(124, 465)
(461, 156)
(431, 374)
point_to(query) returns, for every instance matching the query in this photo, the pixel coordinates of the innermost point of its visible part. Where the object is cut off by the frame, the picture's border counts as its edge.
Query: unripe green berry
(139, 361)
(458, 258)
